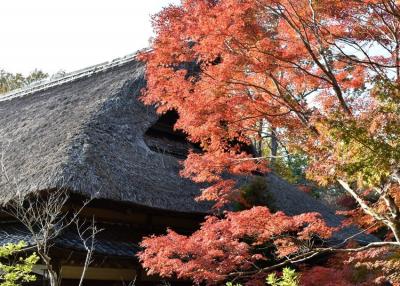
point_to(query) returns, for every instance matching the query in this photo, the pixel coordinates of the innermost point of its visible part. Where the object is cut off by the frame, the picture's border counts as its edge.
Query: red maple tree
(224, 247)
(323, 74)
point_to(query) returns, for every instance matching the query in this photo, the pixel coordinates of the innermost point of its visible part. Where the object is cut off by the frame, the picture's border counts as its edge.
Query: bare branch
(361, 202)
(88, 236)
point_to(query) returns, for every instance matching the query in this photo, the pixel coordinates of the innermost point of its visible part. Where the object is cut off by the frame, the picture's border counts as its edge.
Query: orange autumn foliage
(227, 66)
(232, 244)
(323, 73)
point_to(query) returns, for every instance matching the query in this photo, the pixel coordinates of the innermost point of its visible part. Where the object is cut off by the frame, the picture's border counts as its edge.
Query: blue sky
(71, 34)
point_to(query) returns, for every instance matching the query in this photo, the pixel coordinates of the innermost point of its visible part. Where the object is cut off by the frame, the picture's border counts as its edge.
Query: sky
(53, 35)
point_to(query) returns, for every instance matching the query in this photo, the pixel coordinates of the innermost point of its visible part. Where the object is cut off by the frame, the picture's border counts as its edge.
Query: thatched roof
(85, 132)
(292, 201)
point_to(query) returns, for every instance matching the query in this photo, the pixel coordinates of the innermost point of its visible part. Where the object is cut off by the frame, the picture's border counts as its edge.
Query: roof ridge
(69, 77)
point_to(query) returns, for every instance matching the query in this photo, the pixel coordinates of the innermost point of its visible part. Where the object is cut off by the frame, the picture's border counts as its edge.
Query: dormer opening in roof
(161, 137)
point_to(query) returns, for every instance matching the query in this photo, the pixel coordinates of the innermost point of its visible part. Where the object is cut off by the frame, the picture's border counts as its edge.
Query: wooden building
(88, 133)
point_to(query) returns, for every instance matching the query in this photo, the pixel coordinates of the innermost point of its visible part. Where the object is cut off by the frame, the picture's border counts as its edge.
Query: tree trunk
(53, 278)
(52, 268)
(274, 147)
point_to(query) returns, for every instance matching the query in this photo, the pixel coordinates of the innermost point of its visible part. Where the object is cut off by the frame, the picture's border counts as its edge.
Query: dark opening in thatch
(161, 137)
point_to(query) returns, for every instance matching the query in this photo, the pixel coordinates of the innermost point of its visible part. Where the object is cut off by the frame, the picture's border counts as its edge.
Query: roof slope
(87, 135)
(292, 201)
(112, 240)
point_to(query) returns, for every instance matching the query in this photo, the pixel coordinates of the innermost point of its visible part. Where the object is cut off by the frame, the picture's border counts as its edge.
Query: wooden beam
(115, 215)
(98, 273)
(168, 221)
